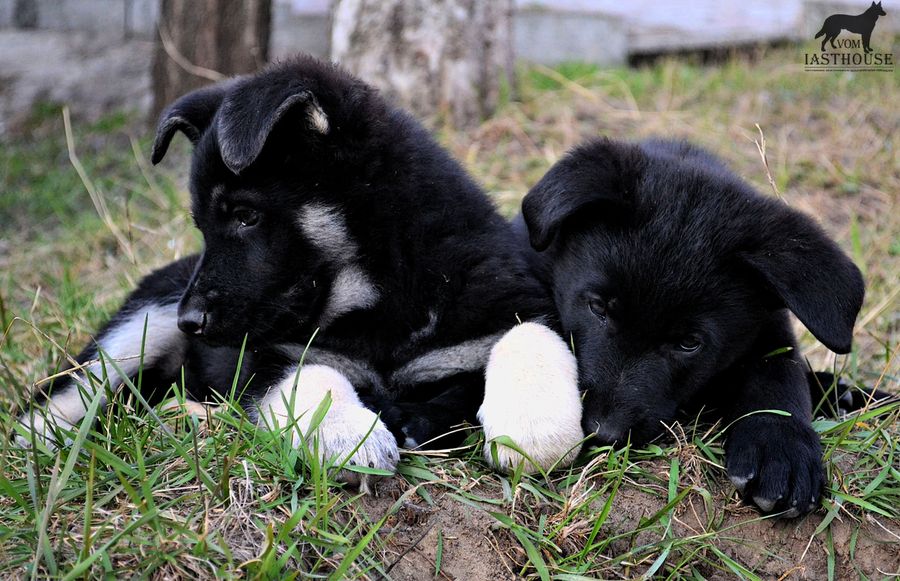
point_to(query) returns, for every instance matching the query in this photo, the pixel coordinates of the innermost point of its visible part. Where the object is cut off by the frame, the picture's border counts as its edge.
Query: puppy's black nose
(607, 436)
(192, 321)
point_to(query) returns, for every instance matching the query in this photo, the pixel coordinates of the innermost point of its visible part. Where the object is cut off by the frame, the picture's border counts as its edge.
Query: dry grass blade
(95, 194)
(182, 61)
(761, 147)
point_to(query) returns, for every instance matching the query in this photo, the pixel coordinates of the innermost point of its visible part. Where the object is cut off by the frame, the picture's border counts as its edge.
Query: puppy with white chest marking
(327, 212)
(674, 279)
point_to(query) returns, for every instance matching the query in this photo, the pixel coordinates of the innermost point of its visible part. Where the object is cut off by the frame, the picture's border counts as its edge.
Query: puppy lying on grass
(674, 279)
(327, 213)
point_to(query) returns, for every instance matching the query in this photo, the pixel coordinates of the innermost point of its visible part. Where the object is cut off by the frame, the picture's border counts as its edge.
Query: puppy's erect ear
(810, 274)
(248, 117)
(597, 172)
(191, 114)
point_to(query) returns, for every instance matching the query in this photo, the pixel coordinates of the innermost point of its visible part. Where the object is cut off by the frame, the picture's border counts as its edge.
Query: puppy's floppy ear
(597, 172)
(248, 117)
(191, 114)
(810, 274)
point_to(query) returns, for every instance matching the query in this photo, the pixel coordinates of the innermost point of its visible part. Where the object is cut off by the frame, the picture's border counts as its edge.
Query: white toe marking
(409, 443)
(765, 504)
(344, 426)
(121, 343)
(740, 482)
(846, 399)
(531, 396)
(190, 407)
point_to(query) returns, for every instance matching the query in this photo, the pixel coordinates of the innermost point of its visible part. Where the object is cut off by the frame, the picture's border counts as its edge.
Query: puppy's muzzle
(604, 430)
(192, 317)
(606, 436)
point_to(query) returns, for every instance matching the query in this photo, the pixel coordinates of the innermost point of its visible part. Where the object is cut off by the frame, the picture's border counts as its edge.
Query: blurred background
(140, 54)
(507, 85)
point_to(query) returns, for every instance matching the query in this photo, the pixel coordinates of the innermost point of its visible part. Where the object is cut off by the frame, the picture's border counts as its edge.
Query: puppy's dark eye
(598, 306)
(690, 344)
(245, 216)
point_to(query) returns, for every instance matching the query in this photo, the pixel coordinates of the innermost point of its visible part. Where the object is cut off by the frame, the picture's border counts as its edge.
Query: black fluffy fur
(428, 239)
(675, 278)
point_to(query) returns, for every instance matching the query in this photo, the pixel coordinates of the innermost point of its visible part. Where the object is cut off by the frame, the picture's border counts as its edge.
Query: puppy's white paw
(349, 431)
(342, 430)
(190, 407)
(531, 396)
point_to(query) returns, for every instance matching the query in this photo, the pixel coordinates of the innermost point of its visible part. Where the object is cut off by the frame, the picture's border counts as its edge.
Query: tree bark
(25, 14)
(202, 41)
(447, 59)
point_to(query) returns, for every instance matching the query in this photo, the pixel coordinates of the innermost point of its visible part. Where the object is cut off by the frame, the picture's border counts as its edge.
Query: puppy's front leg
(531, 396)
(142, 338)
(347, 426)
(124, 341)
(775, 461)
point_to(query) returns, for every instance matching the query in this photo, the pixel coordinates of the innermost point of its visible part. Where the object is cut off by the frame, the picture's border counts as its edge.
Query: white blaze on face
(352, 288)
(121, 343)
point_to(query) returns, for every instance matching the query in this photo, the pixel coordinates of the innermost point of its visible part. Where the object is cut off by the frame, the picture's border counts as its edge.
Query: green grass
(159, 493)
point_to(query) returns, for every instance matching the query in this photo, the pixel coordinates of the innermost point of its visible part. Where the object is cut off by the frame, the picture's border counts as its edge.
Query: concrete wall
(293, 29)
(546, 31)
(87, 15)
(541, 35)
(125, 18)
(6, 13)
(140, 18)
(552, 36)
(296, 31)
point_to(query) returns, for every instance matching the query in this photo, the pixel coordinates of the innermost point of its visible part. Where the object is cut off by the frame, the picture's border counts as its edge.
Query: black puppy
(674, 279)
(324, 208)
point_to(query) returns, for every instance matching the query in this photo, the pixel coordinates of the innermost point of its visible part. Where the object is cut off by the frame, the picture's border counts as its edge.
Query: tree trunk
(201, 41)
(25, 14)
(444, 58)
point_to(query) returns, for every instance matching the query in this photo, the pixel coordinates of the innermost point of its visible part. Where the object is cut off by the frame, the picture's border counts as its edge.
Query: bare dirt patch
(777, 549)
(475, 545)
(467, 538)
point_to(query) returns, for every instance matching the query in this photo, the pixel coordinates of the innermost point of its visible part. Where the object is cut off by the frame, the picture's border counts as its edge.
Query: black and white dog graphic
(325, 210)
(674, 279)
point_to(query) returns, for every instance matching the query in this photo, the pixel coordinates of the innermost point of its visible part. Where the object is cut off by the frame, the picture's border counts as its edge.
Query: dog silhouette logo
(861, 24)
